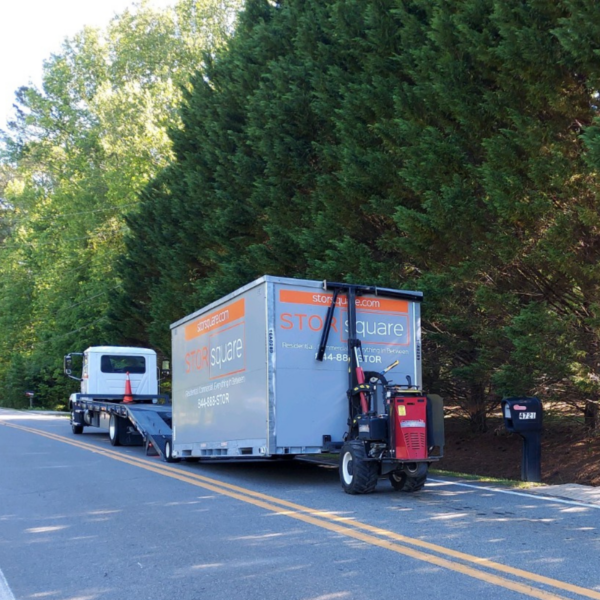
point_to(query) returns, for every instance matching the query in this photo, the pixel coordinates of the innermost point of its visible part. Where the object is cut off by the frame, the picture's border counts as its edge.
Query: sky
(32, 30)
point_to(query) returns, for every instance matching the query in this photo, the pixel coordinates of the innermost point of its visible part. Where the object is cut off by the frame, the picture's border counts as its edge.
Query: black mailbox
(524, 416)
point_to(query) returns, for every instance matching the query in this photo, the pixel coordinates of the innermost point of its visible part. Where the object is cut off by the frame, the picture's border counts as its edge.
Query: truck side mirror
(68, 367)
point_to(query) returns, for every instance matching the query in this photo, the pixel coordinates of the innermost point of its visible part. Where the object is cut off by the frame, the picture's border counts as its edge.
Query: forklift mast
(360, 393)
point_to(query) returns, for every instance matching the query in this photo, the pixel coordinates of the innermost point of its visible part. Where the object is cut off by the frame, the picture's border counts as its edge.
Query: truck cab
(105, 369)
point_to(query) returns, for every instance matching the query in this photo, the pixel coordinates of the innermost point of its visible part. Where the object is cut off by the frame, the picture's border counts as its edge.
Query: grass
(485, 479)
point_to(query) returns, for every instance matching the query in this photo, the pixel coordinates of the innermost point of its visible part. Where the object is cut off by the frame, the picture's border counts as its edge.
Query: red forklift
(394, 430)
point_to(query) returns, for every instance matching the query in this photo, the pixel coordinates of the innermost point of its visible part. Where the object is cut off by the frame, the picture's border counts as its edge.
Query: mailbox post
(524, 416)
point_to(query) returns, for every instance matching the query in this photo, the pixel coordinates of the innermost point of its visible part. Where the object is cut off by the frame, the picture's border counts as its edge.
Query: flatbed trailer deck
(147, 420)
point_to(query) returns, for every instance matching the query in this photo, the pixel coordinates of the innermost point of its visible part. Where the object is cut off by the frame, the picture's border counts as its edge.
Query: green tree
(80, 151)
(487, 144)
(192, 230)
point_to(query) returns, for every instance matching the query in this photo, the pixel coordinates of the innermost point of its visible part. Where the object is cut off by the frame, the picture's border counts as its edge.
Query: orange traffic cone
(128, 394)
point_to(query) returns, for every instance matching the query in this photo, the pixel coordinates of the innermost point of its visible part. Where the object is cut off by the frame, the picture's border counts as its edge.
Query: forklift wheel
(415, 476)
(357, 474)
(398, 479)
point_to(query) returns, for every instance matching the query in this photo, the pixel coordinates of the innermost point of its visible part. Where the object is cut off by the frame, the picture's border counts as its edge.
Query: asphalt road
(81, 520)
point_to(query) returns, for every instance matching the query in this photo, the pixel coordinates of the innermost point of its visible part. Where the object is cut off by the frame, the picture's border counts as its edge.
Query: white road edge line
(5, 591)
(499, 491)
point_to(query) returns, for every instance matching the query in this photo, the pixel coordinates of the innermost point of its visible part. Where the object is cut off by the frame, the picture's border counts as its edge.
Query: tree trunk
(478, 409)
(590, 414)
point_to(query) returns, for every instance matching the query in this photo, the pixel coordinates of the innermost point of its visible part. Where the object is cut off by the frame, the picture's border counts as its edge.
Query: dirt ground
(570, 454)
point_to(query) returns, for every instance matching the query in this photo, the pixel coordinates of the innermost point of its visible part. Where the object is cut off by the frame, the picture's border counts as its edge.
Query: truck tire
(76, 428)
(415, 477)
(357, 474)
(114, 430)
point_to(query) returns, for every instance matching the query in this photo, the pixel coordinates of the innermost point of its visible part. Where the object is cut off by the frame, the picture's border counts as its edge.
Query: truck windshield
(123, 364)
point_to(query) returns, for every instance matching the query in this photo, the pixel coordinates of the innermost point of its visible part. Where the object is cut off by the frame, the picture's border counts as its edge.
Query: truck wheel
(76, 428)
(416, 476)
(114, 430)
(169, 452)
(357, 474)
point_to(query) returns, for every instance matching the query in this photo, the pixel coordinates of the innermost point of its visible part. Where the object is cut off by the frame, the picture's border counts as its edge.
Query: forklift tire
(398, 479)
(416, 477)
(114, 430)
(357, 474)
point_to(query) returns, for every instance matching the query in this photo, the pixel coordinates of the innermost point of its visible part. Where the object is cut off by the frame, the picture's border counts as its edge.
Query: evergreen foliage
(445, 146)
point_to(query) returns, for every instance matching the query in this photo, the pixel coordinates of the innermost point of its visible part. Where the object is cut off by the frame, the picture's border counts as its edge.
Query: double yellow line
(472, 566)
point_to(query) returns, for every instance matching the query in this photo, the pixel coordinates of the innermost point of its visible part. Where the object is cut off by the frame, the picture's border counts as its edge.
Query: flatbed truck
(120, 394)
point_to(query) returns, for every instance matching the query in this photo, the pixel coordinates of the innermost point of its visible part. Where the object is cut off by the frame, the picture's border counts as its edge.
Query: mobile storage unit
(246, 382)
